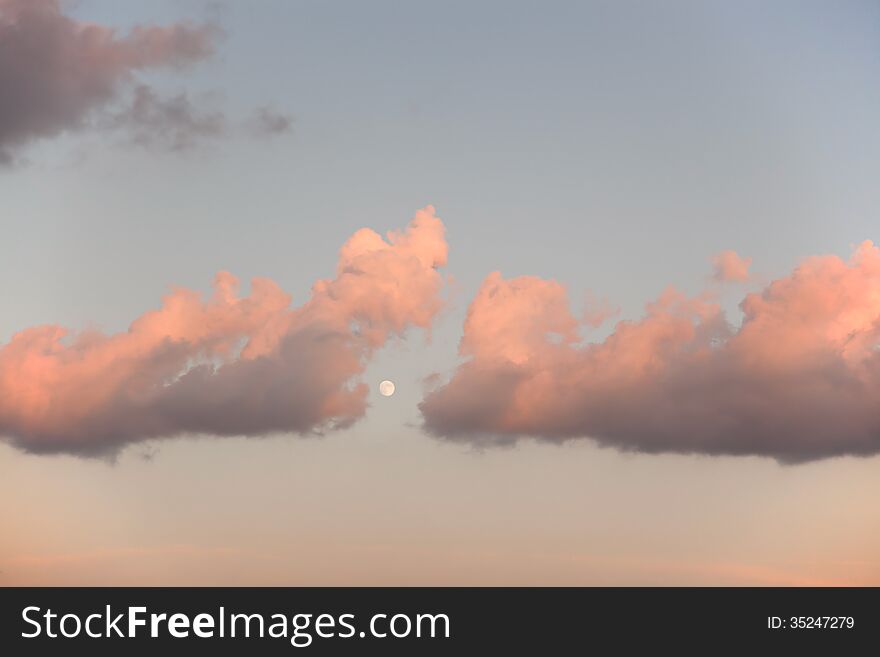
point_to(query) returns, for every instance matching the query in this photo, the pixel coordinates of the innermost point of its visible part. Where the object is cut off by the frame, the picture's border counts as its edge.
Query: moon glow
(386, 388)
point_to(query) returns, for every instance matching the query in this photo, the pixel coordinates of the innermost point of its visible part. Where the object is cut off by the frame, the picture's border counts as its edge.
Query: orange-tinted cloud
(798, 380)
(229, 365)
(731, 267)
(598, 311)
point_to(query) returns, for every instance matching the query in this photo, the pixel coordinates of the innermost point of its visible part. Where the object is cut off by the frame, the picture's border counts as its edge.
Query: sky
(629, 300)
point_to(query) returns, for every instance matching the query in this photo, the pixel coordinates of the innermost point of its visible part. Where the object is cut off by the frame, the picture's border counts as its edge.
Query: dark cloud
(55, 71)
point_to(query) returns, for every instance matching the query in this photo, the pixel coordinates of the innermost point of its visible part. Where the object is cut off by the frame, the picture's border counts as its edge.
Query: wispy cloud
(731, 267)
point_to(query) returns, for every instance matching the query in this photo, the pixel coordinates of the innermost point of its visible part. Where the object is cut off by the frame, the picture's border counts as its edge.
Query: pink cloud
(598, 311)
(228, 365)
(798, 380)
(731, 267)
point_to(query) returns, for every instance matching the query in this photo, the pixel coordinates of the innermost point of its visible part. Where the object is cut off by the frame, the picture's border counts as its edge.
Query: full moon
(386, 388)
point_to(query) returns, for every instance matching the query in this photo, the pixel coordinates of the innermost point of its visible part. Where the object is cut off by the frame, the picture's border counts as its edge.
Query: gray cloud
(227, 365)
(55, 71)
(267, 121)
(58, 74)
(174, 123)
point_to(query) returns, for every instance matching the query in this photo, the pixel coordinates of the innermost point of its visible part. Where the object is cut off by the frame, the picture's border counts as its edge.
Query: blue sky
(612, 146)
(597, 143)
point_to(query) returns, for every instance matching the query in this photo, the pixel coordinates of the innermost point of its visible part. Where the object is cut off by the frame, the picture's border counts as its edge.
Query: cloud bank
(228, 365)
(798, 380)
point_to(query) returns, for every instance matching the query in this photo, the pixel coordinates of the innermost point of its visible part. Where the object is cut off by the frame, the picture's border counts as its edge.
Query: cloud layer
(798, 380)
(228, 365)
